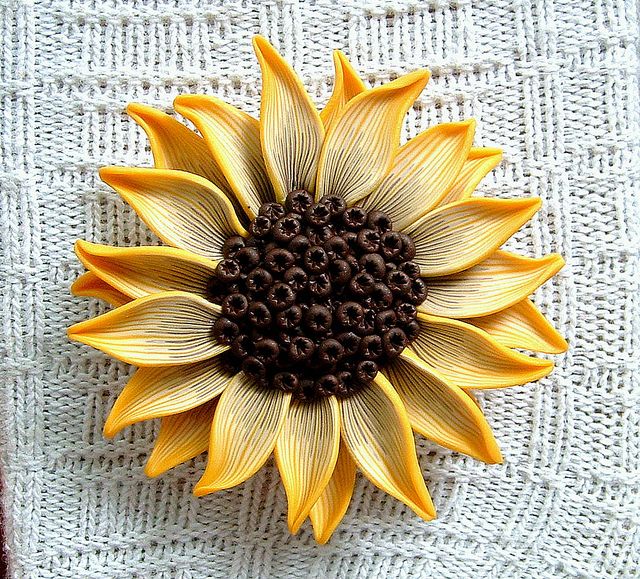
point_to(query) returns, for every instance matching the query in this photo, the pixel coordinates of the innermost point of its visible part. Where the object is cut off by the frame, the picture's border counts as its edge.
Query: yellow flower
(277, 321)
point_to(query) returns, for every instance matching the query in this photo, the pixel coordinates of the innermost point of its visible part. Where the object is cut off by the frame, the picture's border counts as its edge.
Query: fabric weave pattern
(552, 82)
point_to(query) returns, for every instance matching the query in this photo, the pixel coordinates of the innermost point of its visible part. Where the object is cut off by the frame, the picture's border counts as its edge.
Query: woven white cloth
(553, 82)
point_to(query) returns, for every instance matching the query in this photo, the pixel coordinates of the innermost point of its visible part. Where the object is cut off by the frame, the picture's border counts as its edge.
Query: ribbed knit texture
(553, 82)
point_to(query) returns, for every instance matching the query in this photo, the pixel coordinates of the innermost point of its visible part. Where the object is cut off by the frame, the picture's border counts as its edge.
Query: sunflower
(324, 291)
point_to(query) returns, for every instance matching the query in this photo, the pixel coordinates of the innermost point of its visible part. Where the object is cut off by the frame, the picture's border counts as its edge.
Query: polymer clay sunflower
(323, 293)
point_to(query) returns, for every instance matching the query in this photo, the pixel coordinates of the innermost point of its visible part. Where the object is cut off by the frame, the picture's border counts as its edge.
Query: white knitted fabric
(553, 82)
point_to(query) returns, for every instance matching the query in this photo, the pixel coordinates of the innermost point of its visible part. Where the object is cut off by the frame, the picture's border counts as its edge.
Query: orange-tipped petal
(156, 330)
(91, 286)
(423, 171)
(347, 84)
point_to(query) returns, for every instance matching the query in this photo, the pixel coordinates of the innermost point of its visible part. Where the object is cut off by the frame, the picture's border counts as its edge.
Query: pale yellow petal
(245, 428)
(347, 84)
(182, 437)
(156, 392)
(494, 284)
(378, 434)
(156, 330)
(458, 236)
(91, 286)
(291, 131)
(306, 452)
(233, 138)
(441, 411)
(175, 146)
(471, 358)
(480, 161)
(363, 141)
(332, 504)
(184, 210)
(140, 271)
(422, 173)
(522, 326)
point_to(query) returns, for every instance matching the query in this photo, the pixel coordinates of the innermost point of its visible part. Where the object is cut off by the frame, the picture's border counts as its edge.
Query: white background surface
(553, 82)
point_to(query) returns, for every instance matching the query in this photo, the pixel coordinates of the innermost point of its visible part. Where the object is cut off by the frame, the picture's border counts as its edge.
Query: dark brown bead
(259, 315)
(351, 237)
(232, 245)
(298, 201)
(336, 247)
(299, 244)
(316, 259)
(361, 284)
(391, 244)
(339, 271)
(259, 280)
(242, 346)
(335, 203)
(289, 318)
(216, 290)
(301, 349)
(285, 381)
(411, 268)
(285, 229)
(366, 370)
(345, 379)
(385, 320)
(248, 258)
(379, 221)
(349, 314)
(393, 342)
(412, 329)
(260, 226)
(266, 350)
(254, 367)
(350, 342)
(318, 235)
(224, 330)
(354, 218)
(318, 319)
(279, 260)
(371, 347)
(368, 240)
(235, 306)
(418, 291)
(319, 286)
(327, 384)
(330, 351)
(296, 277)
(269, 246)
(408, 248)
(280, 296)
(406, 312)
(398, 282)
(317, 214)
(381, 295)
(373, 264)
(272, 210)
(228, 270)
(352, 260)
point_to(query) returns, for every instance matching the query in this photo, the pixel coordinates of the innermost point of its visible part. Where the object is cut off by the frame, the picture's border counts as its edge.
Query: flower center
(318, 298)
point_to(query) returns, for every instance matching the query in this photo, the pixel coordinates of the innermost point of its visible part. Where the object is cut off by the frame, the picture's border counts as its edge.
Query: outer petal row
(347, 84)
(91, 286)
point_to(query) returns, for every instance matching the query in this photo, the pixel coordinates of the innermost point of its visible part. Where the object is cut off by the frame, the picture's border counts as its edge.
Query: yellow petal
(330, 508)
(480, 161)
(234, 141)
(522, 326)
(157, 330)
(494, 284)
(378, 434)
(363, 140)
(471, 358)
(182, 437)
(441, 411)
(306, 454)
(140, 271)
(91, 286)
(458, 236)
(291, 131)
(423, 171)
(184, 210)
(245, 428)
(175, 146)
(347, 84)
(156, 392)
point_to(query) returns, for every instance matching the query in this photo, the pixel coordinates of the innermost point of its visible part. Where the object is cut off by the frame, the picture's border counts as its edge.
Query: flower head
(323, 292)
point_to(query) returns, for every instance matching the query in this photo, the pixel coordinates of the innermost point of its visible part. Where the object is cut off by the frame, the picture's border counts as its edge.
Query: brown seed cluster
(318, 297)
